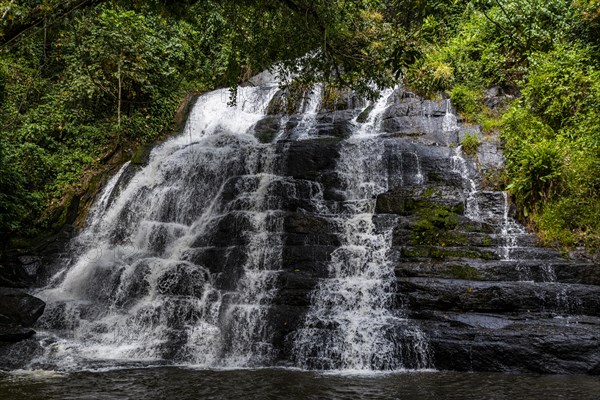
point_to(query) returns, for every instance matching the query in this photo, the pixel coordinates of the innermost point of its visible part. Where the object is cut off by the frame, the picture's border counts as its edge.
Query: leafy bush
(466, 100)
(571, 221)
(470, 144)
(561, 85)
(15, 204)
(535, 174)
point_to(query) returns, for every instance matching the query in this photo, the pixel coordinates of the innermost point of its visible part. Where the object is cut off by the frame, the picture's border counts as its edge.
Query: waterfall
(461, 166)
(371, 125)
(351, 324)
(510, 231)
(310, 108)
(138, 288)
(449, 122)
(181, 260)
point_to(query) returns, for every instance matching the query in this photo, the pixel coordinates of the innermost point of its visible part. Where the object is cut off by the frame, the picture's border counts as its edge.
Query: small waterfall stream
(350, 324)
(310, 107)
(461, 166)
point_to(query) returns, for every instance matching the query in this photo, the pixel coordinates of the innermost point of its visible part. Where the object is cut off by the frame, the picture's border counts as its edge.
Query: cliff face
(351, 237)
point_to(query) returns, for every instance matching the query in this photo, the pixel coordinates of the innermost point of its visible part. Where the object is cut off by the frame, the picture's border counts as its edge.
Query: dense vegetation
(81, 79)
(545, 53)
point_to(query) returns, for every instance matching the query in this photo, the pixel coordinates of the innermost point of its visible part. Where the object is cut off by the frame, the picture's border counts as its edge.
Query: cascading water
(350, 324)
(449, 122)
(181, 259)
(510, 231)
(247, 339)
(340, 245)
(460, 165)
(310, 108)
(136, 290)
(371, 126)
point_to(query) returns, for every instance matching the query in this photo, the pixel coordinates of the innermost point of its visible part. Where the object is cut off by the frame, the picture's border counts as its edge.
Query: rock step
(529, 270)
(458, 237)
(533, 343)
(425, 252)
(441, 253)
(499, 297)
(535, 253)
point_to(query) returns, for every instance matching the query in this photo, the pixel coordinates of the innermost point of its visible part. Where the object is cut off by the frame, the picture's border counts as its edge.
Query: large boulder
(18, 312)
(18, 307)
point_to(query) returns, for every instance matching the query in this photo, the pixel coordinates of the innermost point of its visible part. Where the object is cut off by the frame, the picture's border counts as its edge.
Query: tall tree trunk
(45, 37)
(120, 86)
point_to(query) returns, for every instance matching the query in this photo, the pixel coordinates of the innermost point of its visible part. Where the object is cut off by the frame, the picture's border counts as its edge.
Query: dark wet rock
(531, 343)
(267, 128)
(310, 159)
(224, 263)
(515, 271)
(183, 280)
(18, 307)
(499, 297)
(16, 275)
(17, 355)
(18, 312)
(14, 333)
(337, 129)
(305, 224)
(410, 199)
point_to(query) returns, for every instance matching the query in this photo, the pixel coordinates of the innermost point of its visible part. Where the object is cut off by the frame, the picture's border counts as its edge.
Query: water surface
(185, 383)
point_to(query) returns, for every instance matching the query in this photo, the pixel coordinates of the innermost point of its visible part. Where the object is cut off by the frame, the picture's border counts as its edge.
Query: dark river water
(183, 383)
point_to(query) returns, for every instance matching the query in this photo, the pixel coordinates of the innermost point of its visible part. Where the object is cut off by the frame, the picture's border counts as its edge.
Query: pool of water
(189, 383)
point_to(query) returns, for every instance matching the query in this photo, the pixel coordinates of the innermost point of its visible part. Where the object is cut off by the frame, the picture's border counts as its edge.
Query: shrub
(535, 174)
(470, 144)
(466, 100)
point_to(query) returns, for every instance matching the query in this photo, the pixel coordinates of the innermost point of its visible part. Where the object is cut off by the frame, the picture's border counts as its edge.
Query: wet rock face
(18, 312)
(479, 310)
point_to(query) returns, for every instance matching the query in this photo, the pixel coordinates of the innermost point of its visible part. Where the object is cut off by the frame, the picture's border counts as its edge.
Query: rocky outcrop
(486, 296)
(18, 312)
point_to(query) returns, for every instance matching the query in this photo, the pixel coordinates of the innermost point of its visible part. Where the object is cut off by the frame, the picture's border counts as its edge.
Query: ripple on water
(190, 383)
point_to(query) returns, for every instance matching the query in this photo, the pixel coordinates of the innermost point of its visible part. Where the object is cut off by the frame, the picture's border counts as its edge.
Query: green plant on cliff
(553, 146)
(470, 144)
(545, 54)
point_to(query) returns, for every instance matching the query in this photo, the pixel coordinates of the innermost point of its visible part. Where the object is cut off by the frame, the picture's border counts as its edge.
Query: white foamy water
(134, 291)
(350, 324)
(461, 166)
(510, 231)
(373, 122)
(310, 109)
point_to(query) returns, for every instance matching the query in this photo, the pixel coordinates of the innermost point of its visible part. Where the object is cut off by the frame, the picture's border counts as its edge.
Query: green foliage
(461, 271)
(562, 84)
(535, 173)
(466, 100)
(14, 202)
(546, 54)
(433, 227)
(553, 146)
(470, 144)
(571, 221)
(78, 80)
